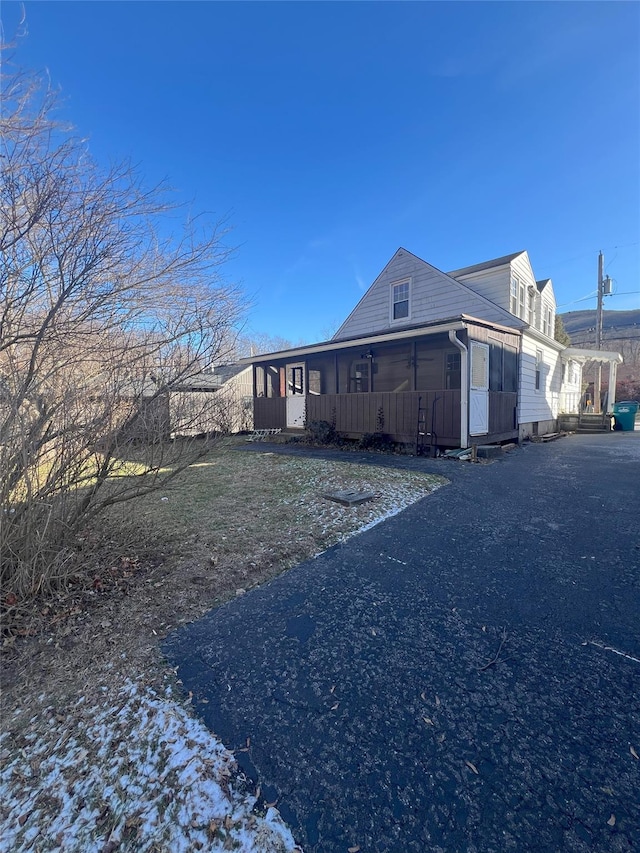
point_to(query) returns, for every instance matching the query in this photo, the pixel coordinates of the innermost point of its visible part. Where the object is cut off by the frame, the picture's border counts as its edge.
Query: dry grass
(230, 522)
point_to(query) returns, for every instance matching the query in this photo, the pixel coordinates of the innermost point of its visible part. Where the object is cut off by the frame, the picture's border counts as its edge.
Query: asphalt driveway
(463, 677)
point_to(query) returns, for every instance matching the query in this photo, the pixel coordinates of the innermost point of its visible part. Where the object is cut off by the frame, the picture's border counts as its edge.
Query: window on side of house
(515, 285)
(452, 371)
(400, 294)
(522, 301)
(539, 365)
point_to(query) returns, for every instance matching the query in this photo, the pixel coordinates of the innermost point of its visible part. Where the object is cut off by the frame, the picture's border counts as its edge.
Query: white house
(463, 357)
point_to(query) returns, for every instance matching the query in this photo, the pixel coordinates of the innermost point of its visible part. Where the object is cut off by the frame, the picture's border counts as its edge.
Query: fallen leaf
(484, 628)
(334, 707)
(428, 721)
(437, 702)
(612, 820)
(472, 767)
(332, 689)
(354, 849)
(634, 753)
(423, 696)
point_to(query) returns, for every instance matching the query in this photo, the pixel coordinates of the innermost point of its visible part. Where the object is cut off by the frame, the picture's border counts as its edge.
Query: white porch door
(479, 389)
(296, 396)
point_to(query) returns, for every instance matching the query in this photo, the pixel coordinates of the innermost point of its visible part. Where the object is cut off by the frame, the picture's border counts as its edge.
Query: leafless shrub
(107, 301)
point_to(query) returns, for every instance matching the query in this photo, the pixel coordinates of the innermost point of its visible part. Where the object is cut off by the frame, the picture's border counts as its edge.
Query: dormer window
(531, 318)
(400, 294)
(515, 283)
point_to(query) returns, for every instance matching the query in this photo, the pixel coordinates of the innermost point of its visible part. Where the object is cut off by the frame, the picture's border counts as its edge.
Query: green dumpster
(625, 415)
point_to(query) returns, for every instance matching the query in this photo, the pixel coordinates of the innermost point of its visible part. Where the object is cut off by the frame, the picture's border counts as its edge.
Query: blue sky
(333, 133)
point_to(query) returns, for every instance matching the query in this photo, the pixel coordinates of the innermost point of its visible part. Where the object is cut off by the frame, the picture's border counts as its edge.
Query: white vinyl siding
(433, 296)
(539, 404)
(493, 284)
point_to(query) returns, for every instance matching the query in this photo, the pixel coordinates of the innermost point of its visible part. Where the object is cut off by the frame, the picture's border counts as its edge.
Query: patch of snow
(158, 780)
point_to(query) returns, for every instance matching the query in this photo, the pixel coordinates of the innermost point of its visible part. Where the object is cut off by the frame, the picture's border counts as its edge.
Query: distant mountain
(582, 324)
(620, 333)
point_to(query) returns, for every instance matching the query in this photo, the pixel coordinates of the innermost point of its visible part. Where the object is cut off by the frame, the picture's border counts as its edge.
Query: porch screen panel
(429, 367)
(392, 368)
(510, 371)
(322, 375)
(272, 381)
(495, 365)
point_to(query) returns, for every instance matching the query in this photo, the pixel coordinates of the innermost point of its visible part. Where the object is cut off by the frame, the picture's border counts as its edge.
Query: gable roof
(477, 303)
(542, 284)
(486, 265)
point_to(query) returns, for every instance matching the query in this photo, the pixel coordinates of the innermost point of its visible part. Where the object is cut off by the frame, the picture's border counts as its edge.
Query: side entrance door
(479, 389)
(296, 396)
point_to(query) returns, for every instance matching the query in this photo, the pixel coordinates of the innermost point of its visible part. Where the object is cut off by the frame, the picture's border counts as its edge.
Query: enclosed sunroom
(440, 385)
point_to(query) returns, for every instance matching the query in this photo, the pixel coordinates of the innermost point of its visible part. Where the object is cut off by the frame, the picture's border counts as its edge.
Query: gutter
(464, 387)
(456, 325)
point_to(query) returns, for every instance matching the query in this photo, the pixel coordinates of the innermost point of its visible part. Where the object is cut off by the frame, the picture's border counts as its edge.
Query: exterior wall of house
(433, 296)
(540, 364)
(493, 284)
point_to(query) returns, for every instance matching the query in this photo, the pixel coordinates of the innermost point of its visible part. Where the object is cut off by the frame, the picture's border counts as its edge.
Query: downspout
(464, 388)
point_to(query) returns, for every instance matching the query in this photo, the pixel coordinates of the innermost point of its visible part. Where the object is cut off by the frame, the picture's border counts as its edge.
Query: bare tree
(257, 343)
(108, 298)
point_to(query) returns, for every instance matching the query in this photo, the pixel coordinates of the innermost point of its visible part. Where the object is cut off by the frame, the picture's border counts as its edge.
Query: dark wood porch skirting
(270, 413)
(395, 415)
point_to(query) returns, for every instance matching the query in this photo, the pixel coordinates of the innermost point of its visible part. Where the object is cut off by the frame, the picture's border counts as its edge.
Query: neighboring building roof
(486, 265)
(225, 372)
(212, 380)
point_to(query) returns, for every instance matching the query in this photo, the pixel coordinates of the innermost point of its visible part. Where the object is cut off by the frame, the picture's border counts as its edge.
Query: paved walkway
(447, 681)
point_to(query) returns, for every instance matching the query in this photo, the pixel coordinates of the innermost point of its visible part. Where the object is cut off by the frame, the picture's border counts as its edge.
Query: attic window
(515, 284)
(400, 301)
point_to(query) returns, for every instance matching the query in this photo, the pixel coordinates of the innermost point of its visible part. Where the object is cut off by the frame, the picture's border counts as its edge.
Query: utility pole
(604, 289)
